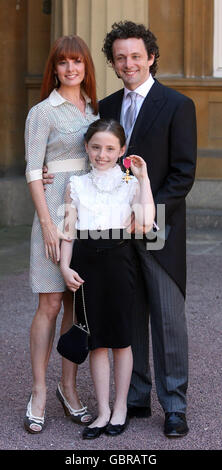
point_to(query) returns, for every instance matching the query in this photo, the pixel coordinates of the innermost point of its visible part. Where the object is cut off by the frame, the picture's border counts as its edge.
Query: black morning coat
(164, 135)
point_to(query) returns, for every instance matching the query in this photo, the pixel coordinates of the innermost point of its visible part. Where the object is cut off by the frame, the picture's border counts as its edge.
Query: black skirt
(108, 268)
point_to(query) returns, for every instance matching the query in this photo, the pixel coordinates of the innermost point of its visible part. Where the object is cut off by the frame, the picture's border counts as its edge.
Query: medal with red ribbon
(127, 163)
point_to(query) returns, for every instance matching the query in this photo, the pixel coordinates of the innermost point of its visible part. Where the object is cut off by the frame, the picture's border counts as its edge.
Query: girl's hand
(51, 237)
(138, 166)
(72, 279)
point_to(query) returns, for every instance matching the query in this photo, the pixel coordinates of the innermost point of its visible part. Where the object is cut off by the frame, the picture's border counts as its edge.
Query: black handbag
(74, 344)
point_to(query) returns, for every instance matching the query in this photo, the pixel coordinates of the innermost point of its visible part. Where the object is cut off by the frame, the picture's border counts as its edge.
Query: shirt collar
(143, 89)
(56, 99)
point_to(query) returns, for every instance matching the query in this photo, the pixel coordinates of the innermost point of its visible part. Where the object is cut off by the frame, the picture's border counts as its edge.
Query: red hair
(72, 47)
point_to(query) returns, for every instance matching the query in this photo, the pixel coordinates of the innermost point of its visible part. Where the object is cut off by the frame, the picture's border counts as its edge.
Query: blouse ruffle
(100, 193)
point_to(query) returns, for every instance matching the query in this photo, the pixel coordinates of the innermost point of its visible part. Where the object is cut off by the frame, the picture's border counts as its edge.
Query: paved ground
(204, 307)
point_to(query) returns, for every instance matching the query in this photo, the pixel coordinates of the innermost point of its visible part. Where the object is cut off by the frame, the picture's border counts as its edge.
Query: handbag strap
(84, 309)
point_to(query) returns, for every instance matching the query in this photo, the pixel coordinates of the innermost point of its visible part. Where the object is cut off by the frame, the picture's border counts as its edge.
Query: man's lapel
(149, 111)
(115, 112)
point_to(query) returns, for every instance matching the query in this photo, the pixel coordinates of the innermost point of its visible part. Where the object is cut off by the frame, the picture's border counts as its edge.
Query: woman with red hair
(54, 136)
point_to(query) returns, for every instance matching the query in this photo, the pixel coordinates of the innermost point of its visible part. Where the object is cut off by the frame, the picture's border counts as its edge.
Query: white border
(217, 38)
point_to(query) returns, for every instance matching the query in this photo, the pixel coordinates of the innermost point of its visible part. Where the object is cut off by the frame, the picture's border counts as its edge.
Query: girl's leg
(123, 365)
(100, 370)
(41, 340)
(69, 369)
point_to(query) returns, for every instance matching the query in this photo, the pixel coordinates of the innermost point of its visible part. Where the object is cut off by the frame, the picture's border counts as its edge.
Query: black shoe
(175, 424)
(139, 411)
(93, 433)
(116, 429)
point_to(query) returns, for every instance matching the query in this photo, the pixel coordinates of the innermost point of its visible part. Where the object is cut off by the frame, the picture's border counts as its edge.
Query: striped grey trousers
(159, 297)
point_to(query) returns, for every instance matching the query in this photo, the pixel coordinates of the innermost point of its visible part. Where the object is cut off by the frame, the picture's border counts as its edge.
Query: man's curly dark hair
(129, 29)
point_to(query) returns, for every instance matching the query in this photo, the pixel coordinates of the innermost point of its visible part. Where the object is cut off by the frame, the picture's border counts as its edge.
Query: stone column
(217, 38)
(38, 44)
(198, 38)
(91, 19)
(12, 91)
(63, 18)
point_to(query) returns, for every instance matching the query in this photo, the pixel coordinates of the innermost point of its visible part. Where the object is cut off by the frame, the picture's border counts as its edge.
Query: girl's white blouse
(102, 198)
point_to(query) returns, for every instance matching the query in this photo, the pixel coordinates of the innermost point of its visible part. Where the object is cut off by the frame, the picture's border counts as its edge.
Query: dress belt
(59, 166)
(71, 164)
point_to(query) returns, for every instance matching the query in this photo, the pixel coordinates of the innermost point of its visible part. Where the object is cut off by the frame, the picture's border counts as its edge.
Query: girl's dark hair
(129, 29)
(106, 125)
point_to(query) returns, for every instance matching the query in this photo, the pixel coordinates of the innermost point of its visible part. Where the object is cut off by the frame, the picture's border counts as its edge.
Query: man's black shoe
(139, 411)
(175, 424)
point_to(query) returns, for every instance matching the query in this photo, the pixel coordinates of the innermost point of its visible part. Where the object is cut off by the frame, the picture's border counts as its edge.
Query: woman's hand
(138, 166)
(72, 279)
(51, 237)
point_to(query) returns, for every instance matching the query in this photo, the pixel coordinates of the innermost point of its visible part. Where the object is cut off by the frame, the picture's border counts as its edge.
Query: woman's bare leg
(123, 364)
(100, 370)
(41, 340)
(69, 369)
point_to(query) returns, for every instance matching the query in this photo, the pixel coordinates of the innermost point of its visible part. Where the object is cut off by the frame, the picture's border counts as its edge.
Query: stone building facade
(189, 34)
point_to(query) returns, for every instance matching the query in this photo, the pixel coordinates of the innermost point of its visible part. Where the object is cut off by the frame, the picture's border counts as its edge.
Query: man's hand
(47, 179)
(134, 226)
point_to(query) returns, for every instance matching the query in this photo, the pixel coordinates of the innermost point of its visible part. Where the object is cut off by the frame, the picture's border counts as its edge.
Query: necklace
(107, 191)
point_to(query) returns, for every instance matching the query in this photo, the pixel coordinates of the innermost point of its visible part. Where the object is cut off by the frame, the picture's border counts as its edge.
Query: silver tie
(130, 113)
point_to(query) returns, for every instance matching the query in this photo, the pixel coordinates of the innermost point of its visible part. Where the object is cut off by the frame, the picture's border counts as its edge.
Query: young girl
(99, 205)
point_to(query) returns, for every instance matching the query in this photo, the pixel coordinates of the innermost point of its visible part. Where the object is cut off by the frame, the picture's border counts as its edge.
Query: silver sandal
(81, 416)
(33, 424)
